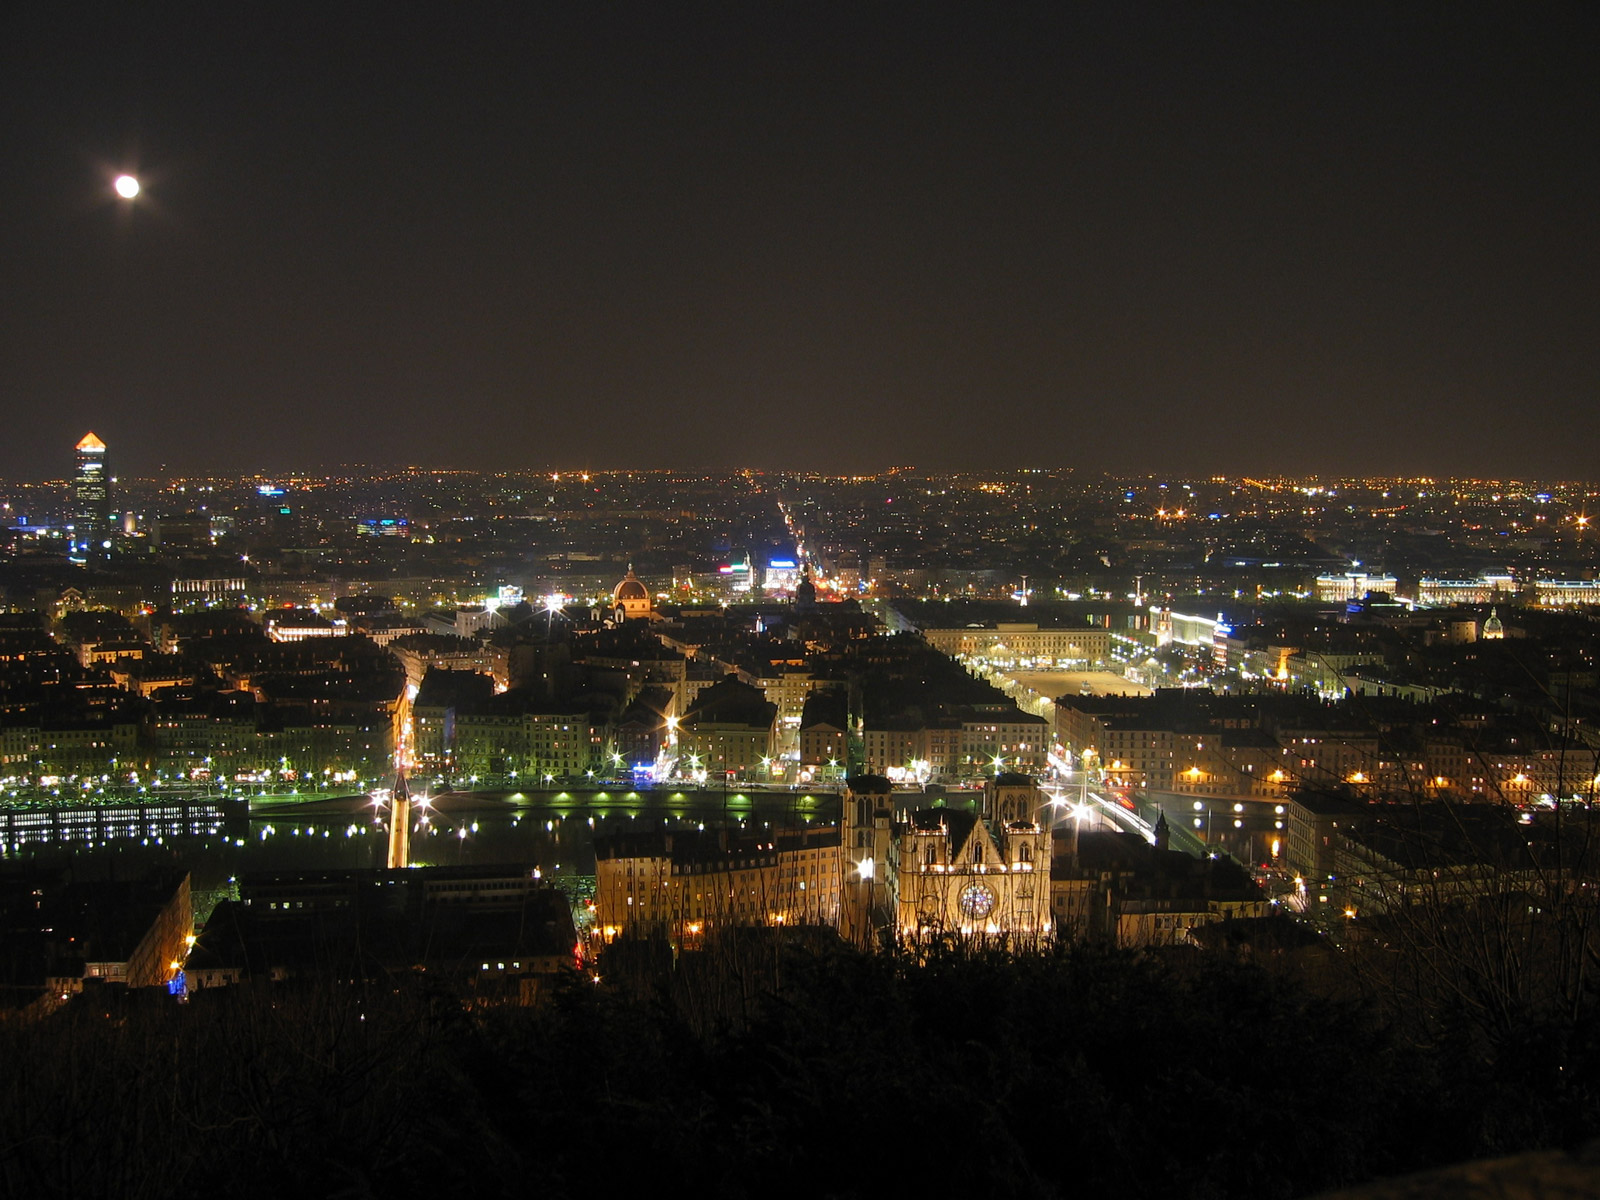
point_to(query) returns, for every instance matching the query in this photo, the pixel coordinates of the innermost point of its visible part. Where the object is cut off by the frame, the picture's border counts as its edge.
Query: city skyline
(92, 450)
(1189, 242)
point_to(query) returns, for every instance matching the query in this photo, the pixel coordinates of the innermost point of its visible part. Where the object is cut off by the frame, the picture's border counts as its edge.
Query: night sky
(1186, 239)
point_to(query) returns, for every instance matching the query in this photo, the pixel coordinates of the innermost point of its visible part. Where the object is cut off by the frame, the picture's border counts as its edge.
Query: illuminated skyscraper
(92, 499)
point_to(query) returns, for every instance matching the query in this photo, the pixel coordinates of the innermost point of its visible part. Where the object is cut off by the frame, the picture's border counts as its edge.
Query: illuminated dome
(1494, 628)
(631, 597)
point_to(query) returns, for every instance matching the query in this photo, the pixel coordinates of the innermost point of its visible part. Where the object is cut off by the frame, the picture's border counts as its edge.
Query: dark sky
(1187, 238)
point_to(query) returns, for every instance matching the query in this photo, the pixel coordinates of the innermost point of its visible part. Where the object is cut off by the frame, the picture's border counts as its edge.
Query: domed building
(1494, 629)
(630, 598)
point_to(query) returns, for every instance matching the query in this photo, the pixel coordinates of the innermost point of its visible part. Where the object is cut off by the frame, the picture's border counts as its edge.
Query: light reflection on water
(535, 832)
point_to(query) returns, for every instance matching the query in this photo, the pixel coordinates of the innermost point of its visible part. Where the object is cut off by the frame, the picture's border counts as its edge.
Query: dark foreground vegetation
(776, 1071)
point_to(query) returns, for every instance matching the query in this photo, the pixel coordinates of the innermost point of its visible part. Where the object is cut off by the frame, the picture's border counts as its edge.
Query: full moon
(127, 186)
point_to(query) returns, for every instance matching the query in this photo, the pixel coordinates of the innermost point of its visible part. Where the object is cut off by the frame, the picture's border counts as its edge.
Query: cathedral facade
(929, 872)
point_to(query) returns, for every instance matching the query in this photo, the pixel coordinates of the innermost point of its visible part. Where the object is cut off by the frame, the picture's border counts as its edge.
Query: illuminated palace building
(908, 873)
(91, 495)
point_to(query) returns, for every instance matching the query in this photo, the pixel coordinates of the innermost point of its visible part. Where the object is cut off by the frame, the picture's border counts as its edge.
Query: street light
(1055, 801)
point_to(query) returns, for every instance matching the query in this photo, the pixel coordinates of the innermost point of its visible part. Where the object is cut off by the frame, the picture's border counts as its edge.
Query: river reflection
(554, 832)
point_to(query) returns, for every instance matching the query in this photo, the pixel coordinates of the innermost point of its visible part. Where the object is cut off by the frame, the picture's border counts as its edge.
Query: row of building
(1443, 593)
(1194, 741)
(895, 868)
(493, 931)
